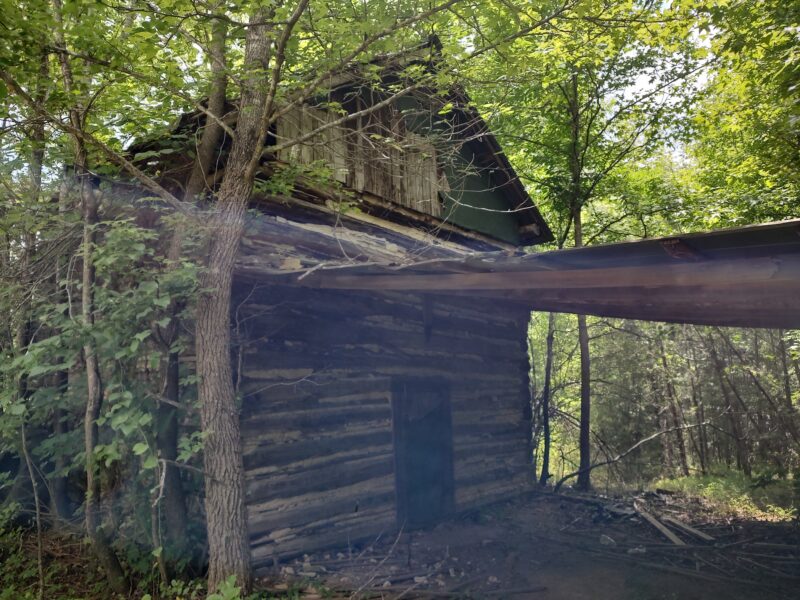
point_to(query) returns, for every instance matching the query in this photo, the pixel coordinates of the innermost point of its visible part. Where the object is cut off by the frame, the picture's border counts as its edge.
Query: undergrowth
(732, 494)
(68, 574)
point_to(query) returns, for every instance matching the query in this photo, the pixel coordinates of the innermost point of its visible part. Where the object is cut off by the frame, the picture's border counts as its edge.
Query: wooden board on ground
(688, 528)
(658, 525)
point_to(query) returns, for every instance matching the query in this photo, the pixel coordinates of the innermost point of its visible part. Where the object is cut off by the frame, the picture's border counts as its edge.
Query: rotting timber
(318, 372)
(365, 413)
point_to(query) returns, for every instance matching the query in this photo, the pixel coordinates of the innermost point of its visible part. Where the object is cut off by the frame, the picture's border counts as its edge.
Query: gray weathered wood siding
(375, 154)
(316, 373)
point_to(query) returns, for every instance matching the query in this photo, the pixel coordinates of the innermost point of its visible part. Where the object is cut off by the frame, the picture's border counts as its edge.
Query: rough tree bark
(226, 519)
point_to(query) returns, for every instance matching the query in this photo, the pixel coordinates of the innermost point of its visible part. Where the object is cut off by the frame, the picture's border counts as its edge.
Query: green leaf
(16, 409)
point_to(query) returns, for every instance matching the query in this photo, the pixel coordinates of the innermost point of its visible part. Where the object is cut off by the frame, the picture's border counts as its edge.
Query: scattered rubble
(535, 545)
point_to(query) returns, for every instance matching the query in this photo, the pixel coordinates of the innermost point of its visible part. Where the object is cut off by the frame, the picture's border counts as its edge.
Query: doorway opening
(423, 451)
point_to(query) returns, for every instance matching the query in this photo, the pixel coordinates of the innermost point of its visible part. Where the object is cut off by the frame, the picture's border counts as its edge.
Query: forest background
(624, 120)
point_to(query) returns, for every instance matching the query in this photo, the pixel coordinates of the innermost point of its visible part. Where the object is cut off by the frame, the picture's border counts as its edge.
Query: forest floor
(565, 547)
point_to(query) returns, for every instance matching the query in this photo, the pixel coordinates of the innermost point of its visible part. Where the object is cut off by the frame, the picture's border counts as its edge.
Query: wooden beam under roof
(747, 277)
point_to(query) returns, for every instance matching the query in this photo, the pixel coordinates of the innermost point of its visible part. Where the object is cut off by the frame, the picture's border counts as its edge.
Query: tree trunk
(167, 443)
(702, 438)
(742, 462)
(584, 440)
(94, 386)
(94, 390)
(548, 369)
(787, 382)
(167, 425)
(226, 519)
(673, 409)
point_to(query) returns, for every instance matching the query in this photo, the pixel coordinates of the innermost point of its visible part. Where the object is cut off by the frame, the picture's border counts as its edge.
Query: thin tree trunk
(94, 390)
(787, 382)
(209, 146)
(666, 444)
(174, 508)
(576, 200)
(742, 462)
(61, 506)
(548, 369)
(702, 441)
(584, 439)
(673, 408)
(94, 385)
(38, 510)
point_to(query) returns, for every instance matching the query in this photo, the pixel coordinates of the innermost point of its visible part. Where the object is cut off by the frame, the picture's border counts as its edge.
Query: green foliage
(228, 590)
(730, 493)
(19, 574)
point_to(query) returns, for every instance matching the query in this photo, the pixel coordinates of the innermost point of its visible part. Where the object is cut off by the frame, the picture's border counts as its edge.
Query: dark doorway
(423, 450)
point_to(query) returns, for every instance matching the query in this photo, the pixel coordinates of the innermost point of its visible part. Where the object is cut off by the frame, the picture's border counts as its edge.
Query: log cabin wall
(316, 373)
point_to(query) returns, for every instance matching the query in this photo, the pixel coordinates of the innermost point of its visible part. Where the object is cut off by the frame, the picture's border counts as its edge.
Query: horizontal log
(266, 469)
(317, 419)
(281, 454)
(299, 510)
(336, 523)
(484, 373)
(469, 497)
(264, 555)
(319, 479)
(278, 304)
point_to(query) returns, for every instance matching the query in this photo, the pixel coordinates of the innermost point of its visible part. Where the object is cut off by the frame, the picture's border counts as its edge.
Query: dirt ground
(549, 547)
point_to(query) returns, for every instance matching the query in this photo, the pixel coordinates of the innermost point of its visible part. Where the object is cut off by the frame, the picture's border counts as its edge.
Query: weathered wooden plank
(392, 332)
(266, 470)
(319, 419)
(657, 524)
(283, 512)
(304, 449)
(402, 305)
(468, 497)
(687, 528)
(340, 523)
(264, 555)
(319, 479)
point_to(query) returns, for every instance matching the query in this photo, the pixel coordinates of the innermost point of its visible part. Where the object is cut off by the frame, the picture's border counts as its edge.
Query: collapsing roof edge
(747, 277)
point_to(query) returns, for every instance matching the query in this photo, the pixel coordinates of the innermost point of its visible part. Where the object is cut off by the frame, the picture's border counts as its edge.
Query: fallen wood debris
(687, 528)
(657, 524)
(520, 549)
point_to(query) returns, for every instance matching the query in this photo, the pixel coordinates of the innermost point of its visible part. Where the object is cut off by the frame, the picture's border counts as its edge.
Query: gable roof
(531, 227)
(471, 125)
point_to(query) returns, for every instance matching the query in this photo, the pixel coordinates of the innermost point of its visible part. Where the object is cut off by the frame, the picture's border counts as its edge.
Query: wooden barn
(368, 412)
